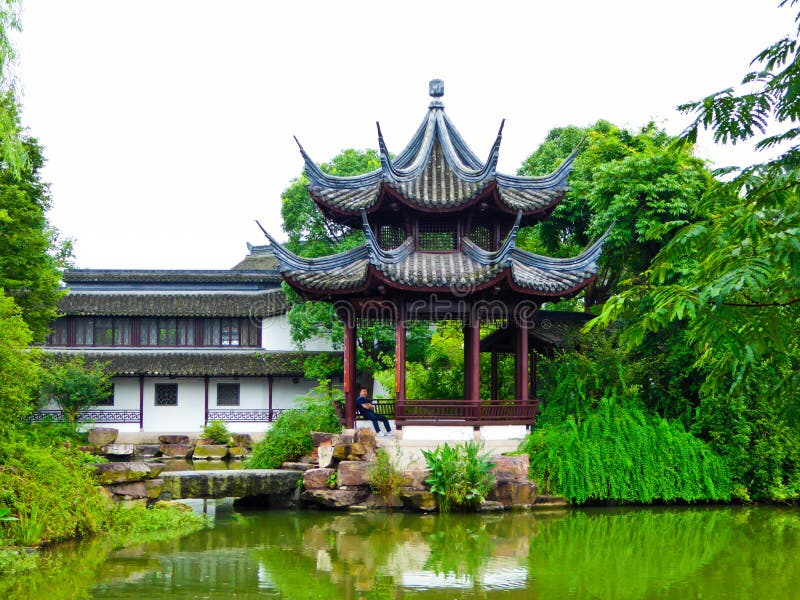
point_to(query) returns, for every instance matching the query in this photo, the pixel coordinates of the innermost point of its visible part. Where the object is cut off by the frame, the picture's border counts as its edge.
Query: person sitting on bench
(366, 408)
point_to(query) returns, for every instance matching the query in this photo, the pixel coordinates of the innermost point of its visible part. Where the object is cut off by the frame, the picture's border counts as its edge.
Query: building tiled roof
(259, 258)
(196, 363)
(175, 304)
(159, 276)
(436, 171)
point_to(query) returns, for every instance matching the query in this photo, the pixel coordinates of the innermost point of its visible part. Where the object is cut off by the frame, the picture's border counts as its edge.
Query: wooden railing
(462, 412)
(453, 412)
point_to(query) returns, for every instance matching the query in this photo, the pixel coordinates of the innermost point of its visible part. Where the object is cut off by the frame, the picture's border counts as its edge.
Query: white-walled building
(186, 347)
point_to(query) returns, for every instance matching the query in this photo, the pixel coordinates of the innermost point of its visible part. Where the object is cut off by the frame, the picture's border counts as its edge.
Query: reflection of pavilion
(441, 229)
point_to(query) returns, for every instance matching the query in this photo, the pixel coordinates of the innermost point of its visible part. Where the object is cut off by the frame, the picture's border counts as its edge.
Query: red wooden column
(350, 391)
(521, 362)
(474, 358)
(467, 364)
(400, 358)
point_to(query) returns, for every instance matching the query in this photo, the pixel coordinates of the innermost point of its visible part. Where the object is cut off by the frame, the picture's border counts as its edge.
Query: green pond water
(740, 552)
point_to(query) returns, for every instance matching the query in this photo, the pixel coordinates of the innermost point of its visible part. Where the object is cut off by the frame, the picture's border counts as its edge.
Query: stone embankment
(338, 475)
(103, 441)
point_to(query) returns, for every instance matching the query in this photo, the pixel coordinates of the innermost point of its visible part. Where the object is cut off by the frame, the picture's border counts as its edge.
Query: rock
(242, 440)
(297, 466)
(136, 489)
(366, 437)
(174, 439)
(177, 464)
(514, 493)
(342, 438)
(418, 500)
(350, 452)
(353, 473)
(236, 483)
(120, 472)
(325, 456)
(171, 504)
(118, 450)
(146, 450)
(316, 479)
(550, 502)
(491, 506)
(102, 436)
(375, 501)
(203, 442)
(415, 479)
(321, 437)
(139, 502)
(511, 468)
(335, 498)
(238, 452)
(154, 487)
(175, 450)
(88, 449)
(155, 468)
(209, 451)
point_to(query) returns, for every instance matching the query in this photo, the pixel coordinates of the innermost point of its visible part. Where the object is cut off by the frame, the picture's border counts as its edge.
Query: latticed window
(436, 236)
(166, 394)
(227, 394)
(391, 236)
(110, 400)
(482, 236)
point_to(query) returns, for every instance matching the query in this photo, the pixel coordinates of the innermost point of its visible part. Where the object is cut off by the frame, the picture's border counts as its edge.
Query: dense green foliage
(459, 475)
(75, 385)
(385, 478)
(620, 454)
(19, 367)
(634, 180)
(289, 438)
(599, 439)
(216, 431)
(51, 489)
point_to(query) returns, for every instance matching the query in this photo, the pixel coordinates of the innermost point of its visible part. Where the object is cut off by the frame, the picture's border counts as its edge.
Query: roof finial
(436, 90)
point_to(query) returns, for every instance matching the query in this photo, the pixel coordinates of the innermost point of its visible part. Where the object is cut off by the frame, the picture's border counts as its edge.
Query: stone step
(550, 502)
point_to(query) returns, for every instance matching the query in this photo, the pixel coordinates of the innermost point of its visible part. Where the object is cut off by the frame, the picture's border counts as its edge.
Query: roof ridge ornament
(436, 90)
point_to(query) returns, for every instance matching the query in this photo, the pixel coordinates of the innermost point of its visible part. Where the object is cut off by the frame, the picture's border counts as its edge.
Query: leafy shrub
(385, 479)
(51, 490)
(217, 432)
(289, 438)
(459, 476)
(75, 385)
(618, 453)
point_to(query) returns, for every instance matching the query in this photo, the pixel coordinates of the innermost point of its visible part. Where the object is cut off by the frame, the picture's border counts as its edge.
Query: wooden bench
(382, 407)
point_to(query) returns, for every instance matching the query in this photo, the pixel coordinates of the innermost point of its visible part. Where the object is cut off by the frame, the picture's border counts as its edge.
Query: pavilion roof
(437, 172)
(471, 268)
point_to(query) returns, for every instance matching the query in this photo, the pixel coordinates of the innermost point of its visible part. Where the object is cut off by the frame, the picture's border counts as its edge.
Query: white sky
(168, 125)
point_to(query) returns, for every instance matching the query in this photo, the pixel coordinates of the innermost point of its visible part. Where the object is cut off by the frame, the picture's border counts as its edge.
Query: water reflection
(624, 553)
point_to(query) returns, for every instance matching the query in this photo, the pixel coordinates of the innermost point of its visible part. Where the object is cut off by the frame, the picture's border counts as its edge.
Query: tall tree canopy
(633, 179)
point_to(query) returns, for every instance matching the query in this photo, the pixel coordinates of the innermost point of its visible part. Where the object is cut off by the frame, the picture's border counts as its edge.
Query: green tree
(75, 385)
(731, 280)
(19, 367)
(635, 179)
(30, 253)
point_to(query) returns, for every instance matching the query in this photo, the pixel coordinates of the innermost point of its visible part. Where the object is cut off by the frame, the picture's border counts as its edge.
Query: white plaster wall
(126, 394)
(189, 415)
(276, 336)
(285, 390)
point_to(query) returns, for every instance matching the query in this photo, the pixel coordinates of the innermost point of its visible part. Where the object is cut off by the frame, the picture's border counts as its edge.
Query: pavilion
(440, 231)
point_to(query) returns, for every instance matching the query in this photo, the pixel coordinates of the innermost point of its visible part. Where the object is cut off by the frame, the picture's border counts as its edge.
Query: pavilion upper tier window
(437, 236)
(391, 236)
(482, 236)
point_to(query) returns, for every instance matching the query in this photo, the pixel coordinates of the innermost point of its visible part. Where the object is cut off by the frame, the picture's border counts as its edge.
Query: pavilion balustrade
(460, 412)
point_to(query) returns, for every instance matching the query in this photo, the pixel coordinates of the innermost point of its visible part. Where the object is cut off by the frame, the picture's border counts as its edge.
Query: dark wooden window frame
(166, 394)
(228, 394)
